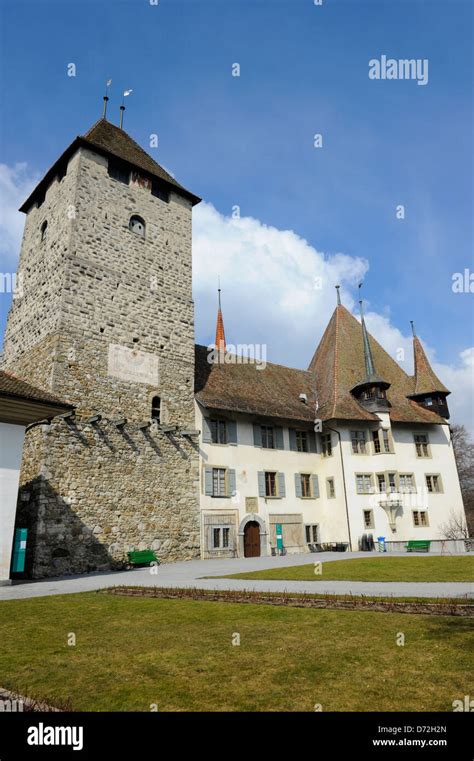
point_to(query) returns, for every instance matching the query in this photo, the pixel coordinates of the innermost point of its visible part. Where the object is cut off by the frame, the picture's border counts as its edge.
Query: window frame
(419, 513)
(268, 428)
(370, 477)
(439, 482)
(301, 436)
(273, 473)
(422, 444)
(326, 444)
(218, 422)
(222, 529)
(358, 441)
(226, 482)
(314, 539)
(331, 487)
(406, 490)
(370, 512)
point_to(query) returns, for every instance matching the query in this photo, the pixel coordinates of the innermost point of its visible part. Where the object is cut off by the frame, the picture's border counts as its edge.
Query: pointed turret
(371, 391)
(428, 391)
(220, 333)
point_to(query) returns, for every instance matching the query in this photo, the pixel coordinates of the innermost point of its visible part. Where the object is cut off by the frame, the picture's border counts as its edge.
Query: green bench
(418, 545)
(142, 557)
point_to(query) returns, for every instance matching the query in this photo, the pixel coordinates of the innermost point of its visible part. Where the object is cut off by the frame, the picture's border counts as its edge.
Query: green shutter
(231, 482)
(292, 433)
(206, 430)
(315, 486)
(257, 435)
(298, 485)
(231, 432)
(261, 483)
(279, 437)
(208, 481)
(281, 485)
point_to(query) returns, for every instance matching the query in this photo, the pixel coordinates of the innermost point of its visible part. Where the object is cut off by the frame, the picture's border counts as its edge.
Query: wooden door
(252, 540)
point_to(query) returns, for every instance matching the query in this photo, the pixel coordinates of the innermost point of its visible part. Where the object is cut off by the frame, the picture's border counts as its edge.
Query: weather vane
(106, 97)
(122, 107)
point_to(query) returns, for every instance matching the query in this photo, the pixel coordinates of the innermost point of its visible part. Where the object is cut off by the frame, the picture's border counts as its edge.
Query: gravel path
(187, 574)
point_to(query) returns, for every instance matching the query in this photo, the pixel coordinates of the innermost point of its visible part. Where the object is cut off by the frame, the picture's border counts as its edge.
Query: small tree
(455, 527)
(463, 447)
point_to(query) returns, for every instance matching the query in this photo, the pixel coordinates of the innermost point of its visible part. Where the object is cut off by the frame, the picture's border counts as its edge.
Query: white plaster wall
(11, 447)
(247, 460)
(330, 513)
(404, 460)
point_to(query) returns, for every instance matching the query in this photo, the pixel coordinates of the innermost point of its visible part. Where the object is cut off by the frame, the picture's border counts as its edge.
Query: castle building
(165, 449)
(339, 454)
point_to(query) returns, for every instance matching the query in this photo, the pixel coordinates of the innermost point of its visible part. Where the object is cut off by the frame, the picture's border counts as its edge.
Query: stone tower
(106, 322)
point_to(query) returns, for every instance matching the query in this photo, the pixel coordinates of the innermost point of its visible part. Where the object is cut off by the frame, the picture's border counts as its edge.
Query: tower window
(156, 409)
(137, 225)
(159, 191)
(44, 227)
(119, 172)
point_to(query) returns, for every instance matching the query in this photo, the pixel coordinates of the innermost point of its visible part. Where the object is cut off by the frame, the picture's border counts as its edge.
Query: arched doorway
(252, 540)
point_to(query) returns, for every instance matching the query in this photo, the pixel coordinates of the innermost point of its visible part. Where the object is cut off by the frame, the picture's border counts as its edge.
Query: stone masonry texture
(92, 491)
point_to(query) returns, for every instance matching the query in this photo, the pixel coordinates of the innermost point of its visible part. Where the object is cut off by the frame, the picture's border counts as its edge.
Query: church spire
(220, 333)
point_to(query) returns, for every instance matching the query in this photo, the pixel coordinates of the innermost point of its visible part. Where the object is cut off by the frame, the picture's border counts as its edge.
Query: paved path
(187, 574)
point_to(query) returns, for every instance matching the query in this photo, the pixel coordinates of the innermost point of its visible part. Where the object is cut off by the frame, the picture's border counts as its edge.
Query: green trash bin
(19, 550)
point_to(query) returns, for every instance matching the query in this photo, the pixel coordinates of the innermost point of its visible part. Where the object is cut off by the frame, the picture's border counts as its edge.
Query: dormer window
(137, 225)
(44, 227)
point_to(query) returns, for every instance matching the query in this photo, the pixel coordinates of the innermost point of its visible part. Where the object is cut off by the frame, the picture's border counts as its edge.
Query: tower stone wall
(106, 322)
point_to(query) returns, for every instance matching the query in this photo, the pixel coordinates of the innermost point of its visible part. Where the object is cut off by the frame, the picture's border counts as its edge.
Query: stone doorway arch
(253, 518)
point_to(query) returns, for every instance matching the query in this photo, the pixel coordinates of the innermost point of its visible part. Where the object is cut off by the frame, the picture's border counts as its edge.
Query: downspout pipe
(327, 427)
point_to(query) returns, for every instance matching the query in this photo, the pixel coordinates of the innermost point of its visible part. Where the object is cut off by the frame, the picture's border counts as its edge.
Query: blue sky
(248, 140)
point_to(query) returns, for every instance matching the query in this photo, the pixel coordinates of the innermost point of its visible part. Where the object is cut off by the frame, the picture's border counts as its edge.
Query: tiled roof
(113, 140)
(426, 381)
(12, 386)
(109, 139)
(270, 392)
(337, 365)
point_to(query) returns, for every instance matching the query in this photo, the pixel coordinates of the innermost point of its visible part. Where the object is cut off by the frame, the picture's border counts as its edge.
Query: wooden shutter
(231, 482)
(298, 489)
(261, 483)
(281, 485)
(292, 433)
(208, 481)
(312, 442)
(257, 435)
(278, 437)
(315, 486)
(231, 432)
(206, 430)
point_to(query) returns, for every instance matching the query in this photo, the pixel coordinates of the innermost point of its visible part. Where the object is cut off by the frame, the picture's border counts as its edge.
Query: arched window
(156, 409)
(137, 225)
(44, 227)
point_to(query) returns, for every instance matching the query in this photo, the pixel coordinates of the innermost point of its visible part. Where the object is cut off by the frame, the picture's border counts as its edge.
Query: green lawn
(435, 568)
(132, 652)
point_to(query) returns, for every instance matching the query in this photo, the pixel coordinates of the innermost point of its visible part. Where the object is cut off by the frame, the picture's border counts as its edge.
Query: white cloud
(16, 183)
(268, 279)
